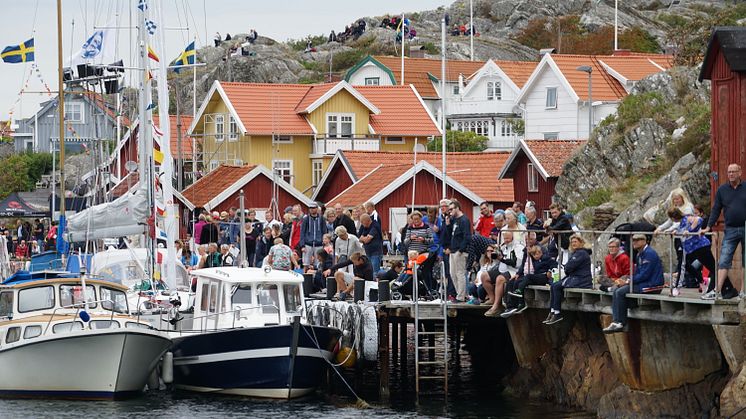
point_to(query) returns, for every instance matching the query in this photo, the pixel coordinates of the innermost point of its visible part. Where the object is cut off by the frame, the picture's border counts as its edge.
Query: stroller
(427, 280)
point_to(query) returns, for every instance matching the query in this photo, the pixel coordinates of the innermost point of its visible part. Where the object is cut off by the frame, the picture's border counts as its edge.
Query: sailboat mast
(61, 108)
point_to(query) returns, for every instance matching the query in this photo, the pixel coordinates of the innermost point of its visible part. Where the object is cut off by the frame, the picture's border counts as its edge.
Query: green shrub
(460, 141)
(635, 107)
(300, 44)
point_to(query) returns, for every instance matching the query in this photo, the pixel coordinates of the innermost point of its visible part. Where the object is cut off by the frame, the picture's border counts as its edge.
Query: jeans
(556, 294)
(521, 284)
(733, 236)
(375, 260)
(619, 305)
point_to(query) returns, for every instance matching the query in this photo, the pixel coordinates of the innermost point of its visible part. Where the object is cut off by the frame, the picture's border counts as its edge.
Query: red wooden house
(534, 166)
(725, 66)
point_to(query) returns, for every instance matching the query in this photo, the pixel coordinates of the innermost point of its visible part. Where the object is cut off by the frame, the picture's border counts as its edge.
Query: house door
(397, 220)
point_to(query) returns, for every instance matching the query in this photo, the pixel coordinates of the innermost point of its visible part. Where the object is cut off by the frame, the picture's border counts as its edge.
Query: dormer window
(551, 102)
(494, 90)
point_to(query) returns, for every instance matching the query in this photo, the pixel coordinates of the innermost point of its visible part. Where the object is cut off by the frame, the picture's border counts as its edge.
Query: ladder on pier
(426, 340)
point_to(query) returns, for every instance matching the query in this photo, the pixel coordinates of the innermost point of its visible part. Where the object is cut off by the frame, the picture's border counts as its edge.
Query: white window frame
(238, 162)
(219, 128)
(338, 123)
(506, 129)
(455, 90)
(547, 103)
(317, 171)
(394, 140)
(494, 90)
(372, 81)
(214, 164)
(72, 108)
(232, 129)
(289, 169)
(551, 136)
(282, 139)
(533, 178)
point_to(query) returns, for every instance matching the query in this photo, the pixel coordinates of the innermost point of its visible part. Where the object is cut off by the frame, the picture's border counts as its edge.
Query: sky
(277, 19)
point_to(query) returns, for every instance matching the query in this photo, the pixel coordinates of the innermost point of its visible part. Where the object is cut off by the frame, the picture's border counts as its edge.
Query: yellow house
(296, 129)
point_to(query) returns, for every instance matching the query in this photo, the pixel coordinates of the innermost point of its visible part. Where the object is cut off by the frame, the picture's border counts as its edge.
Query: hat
(215, 214)
(288, 209)
(639, 236)
(313, 205)
(224, 214)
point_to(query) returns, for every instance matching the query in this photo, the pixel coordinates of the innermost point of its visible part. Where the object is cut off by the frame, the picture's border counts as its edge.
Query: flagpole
(61, 111)
(471, 29)
(443, 99)
(401, 25)
(616, 25)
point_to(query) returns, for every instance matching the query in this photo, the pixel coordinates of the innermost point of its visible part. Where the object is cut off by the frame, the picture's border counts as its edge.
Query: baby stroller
(426, 282)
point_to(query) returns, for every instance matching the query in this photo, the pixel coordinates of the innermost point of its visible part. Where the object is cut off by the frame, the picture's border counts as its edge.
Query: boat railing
(236, 314)
(78, 306)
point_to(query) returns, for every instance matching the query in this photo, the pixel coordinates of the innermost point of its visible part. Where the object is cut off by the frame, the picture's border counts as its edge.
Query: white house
(554, 100)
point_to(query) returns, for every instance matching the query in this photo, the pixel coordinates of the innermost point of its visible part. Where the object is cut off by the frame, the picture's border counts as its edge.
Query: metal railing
(78, 306)
(236, 314)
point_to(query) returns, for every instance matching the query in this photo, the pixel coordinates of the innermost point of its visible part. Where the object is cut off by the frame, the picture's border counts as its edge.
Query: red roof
(312, 95)
(476, 171)
(211, 185)
(402, 113)
(417, 70)
(552, 154)
(364, 189)
(186, 141)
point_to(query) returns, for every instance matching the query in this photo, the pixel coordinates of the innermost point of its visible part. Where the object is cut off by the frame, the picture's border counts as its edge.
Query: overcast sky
(278, 19)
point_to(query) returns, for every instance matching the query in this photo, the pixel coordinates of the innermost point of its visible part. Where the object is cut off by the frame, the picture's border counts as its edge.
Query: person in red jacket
(486, 223)
(616, 264)
(297, 220)
(22, 250)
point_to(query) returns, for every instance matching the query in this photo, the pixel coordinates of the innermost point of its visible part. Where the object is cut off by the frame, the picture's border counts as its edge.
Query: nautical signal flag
(19, 53)
(187, 57)
(152, 55)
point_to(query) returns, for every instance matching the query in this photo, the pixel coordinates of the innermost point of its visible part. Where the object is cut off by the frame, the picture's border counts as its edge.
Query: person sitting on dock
(536, 270)
(494, 284)
(391, 274)
(648, 274)
(577, 275)
(616, 264)
(213, 259)
(226, 257)
(362, 270)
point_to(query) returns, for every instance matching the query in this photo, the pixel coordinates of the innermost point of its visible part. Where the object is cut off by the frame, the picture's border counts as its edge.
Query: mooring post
(403, 343)
(395, 338)
(383, 353)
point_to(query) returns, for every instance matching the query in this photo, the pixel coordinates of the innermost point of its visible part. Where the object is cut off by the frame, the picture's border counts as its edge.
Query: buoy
(167, 368)
(347, 357)
(84, 316)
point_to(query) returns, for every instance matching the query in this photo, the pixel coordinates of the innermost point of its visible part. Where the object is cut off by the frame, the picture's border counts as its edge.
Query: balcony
(498, 143)
(330, 145)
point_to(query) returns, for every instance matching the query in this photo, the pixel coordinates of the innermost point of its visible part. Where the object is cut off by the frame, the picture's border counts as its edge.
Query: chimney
(544, 51)
(416, 51)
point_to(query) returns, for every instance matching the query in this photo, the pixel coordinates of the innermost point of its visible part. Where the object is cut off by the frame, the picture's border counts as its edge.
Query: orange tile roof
(477, 171)
(186, 141)
(267, 108)
(416, 71)
(361, 191)
(401, 111)
(313, 94)
(518, 71)
(552, 154)
(211, 185)
(634, 68)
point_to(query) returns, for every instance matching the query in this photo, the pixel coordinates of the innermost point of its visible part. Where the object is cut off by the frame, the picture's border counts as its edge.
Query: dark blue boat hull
(254, 361)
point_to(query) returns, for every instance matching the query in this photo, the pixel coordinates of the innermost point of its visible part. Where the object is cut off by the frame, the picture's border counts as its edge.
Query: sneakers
(473, 301)
(522, 309)
(516, 293)
(615, 327)
(556, 318)
(508, 313)
(451, 299)
(549, 316)
(342, 296)
(712, 295)
(492, 312)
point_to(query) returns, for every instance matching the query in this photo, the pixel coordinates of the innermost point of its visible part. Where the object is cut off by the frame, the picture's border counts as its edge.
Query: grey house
(88, 118)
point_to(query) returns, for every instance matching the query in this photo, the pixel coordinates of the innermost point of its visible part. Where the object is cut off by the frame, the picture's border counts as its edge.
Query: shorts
(732, 237)
(495, 272)
(349, 278)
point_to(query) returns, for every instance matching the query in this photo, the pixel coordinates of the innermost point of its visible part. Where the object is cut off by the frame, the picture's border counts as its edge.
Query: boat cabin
(126, 267)
(246, 297)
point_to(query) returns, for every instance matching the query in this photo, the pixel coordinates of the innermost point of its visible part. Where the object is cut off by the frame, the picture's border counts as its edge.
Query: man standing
(534, 223)
(648, 273)
(371, 237)
(560, 230)
(343, 219)
(269, 219)
(731, 200)
(312, 230)
(370, 209)
(295, 232)
(486, 223)
(456, 249)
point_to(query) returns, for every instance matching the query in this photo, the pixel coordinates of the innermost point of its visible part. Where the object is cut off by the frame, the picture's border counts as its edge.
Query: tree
(460, 141)
(22, 171)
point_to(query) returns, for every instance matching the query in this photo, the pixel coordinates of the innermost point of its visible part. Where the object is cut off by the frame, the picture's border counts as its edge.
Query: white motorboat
(61, 338)
(250, 336)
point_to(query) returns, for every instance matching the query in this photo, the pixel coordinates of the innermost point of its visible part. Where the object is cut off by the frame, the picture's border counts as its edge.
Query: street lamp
(588, 69)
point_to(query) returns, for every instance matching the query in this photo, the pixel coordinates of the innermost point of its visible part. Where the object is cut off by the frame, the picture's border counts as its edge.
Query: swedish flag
(19, 53)
(186, 58)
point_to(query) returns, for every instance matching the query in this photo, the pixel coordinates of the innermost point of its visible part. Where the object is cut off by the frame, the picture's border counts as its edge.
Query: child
(326, 242)
(414, 258)
(392, 273)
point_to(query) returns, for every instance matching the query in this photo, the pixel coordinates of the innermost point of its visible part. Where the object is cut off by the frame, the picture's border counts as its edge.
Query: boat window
(104, 324)
(6, 304)
(267, 295)
(31, 332)
(13, 335)
(205, 296)
(117, 297)
(73, 295)
(213, 297)
(37, 298)
(292, 298)
(111, 273)
(133, 325)
(67, 327)
(241, 294)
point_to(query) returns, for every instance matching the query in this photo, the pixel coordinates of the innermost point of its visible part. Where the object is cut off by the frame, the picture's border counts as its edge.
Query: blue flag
(186, 58)
(19, 53)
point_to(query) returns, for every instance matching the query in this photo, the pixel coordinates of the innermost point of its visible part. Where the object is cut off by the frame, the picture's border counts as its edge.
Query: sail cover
(124, 216)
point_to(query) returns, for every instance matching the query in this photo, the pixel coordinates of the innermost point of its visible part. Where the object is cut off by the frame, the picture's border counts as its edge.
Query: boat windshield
(268, 298)
(36, 298)
(73, 294)
(241, 294)
(292, 298)
(113, 300)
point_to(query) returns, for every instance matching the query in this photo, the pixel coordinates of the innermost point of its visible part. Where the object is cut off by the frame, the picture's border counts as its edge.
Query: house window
(455, 90)
(214, 164)
(506, 129)
(232, 129)
(318, 171)
(372, 81)
(282, 139)
(283, 169)
(29, 146)
(533, 178)
(74, 112)
(494, 90)
(551, 135)
(551, 98)
(340, 125)
(479, 127)
(394, 140)
(219, 127)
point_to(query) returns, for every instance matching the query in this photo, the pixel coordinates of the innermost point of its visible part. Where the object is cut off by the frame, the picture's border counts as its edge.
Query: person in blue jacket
(648, 273)
(577, 275)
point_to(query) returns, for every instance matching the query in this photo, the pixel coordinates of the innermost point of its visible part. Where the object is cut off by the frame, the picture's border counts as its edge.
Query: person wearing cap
(648, 273)
(312, 230)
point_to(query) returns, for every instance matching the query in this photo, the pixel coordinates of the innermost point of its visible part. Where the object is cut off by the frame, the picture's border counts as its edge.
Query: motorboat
(250, 336)
(69, 337)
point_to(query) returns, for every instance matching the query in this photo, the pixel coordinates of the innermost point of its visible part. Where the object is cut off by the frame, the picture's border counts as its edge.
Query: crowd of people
(25, 238)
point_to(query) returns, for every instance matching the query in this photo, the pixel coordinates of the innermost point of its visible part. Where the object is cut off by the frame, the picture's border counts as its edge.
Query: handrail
(238, 310)
(78, 307)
